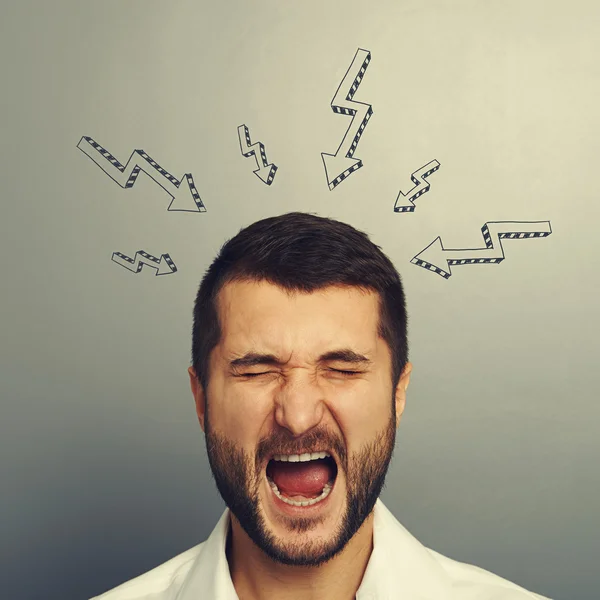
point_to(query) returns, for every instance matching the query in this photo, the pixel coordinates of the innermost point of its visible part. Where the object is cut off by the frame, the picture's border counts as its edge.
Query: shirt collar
(399, 566)
(209, 576)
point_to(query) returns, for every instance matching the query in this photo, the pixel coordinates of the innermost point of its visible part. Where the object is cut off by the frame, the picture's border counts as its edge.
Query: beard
(238, 477)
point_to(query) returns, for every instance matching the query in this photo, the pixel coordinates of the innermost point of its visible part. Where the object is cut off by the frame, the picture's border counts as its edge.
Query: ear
(400, 395)
(199, 397)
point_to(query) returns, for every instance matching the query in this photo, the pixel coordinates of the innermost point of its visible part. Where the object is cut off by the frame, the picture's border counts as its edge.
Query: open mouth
(302, 480)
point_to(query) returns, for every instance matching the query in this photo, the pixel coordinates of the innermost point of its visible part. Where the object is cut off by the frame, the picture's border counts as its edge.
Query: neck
(256, 577)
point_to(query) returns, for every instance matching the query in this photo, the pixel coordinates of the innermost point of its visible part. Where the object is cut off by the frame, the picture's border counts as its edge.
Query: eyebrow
(343, 355)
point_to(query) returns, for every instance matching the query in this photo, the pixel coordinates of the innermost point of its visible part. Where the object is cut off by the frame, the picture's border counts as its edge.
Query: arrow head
(404, 208)
(337, 168)
(166, 265)
(432, 258)
(186, 196)
(266, 174)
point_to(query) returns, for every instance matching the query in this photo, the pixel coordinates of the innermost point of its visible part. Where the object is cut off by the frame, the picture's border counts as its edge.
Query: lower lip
(300, 510)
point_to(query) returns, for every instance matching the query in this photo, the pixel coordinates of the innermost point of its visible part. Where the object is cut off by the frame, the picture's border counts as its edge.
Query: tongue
(300, 478)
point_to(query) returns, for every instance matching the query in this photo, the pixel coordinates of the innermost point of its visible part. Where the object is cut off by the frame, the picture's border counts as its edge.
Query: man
(299, 374)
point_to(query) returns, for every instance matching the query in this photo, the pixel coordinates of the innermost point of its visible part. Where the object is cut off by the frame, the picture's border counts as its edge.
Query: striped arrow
(438, 259)
(185, 196)
(163, 265)
(418, 177)
(340, 165)
(265, 171)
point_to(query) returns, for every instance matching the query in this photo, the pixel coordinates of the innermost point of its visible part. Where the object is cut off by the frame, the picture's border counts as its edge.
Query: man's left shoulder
(159, 583)
(470, 582)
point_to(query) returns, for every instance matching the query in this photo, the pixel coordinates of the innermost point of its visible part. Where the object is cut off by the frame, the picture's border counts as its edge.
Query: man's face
(276, 387)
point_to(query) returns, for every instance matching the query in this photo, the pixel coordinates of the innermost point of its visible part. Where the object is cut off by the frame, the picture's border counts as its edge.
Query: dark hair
(301, 252)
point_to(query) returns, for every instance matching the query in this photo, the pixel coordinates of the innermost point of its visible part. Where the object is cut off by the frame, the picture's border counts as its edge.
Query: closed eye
(252, 374)
(345, 372)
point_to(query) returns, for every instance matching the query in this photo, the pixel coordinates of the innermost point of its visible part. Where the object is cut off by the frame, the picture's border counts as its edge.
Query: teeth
(324, 494)
(301, 457)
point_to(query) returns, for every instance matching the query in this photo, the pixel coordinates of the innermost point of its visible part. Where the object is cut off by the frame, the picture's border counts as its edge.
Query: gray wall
(103, 469)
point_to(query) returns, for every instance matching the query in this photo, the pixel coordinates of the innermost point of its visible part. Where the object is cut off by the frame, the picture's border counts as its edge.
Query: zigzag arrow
(420, 188)
(341, 164)
(438, 259)
(184, 197)
(265, 171)
(163, 266)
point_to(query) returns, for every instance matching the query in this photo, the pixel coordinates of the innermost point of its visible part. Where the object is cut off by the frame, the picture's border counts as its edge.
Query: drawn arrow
(265, 171)
(163, 266)
(420, 188)
(341, 164)
(438, 259)
(184, 197)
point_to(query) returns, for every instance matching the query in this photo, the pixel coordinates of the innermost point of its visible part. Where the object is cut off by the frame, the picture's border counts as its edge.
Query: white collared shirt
(400, 568)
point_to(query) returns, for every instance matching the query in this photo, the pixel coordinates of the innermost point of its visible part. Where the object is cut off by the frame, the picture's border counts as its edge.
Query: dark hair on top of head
(301, 252)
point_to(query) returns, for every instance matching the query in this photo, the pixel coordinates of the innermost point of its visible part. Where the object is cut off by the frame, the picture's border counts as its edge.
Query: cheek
(238, 416)
(363, 412)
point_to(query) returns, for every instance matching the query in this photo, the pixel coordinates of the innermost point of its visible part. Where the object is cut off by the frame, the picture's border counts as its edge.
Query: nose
(299, 402)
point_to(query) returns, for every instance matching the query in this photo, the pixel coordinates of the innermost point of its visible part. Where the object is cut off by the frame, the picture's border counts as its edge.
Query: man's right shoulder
(160, 583)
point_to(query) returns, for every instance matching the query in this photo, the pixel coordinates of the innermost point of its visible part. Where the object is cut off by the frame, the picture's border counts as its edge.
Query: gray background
(103, 467)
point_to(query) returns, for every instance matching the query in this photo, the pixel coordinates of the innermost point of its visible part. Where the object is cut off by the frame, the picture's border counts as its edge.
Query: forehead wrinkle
(245, 339)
